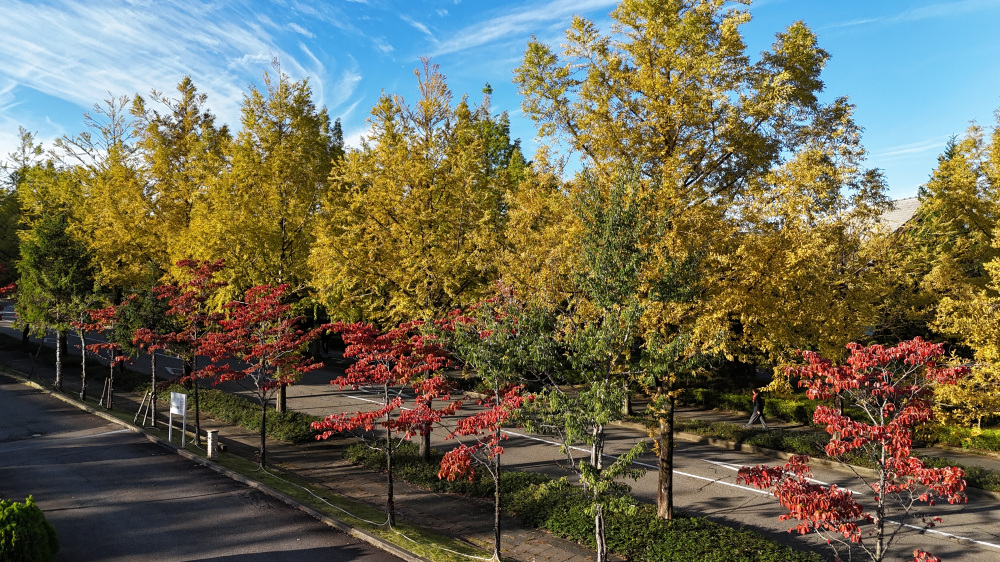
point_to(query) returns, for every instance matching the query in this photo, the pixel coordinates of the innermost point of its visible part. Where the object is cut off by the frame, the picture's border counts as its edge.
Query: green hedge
(290, 426)
(791, 441)
(792, 409)
(560, 508)
(964, 437)
(25, 535)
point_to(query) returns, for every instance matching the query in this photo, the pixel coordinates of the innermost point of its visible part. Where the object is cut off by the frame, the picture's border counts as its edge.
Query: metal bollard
(213, 444)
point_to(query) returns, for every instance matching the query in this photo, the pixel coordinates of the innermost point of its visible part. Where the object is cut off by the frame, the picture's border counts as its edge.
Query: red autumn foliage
(265, 339)
(891, 385)
(189, 303)
(485, 339)
(100, 320)
(10, 288)
(395, 362)
(485, 427)
(261, 334)
(398, 359)
(190, 307)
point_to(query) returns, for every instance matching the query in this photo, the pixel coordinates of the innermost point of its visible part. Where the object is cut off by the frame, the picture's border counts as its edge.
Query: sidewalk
(469, 520)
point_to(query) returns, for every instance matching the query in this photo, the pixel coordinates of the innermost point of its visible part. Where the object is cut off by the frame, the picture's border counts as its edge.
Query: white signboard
(178, 406)
(178, 403)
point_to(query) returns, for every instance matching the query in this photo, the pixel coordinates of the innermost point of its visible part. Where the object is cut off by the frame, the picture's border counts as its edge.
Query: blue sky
(918, 71)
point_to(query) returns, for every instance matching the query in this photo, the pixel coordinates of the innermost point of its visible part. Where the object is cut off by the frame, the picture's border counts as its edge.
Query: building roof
(901, 212)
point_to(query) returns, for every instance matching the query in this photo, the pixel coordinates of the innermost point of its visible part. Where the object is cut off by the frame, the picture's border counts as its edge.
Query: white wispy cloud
(939, 10)
(382, 45)
(904, 150)
(946, 9)
(416, 25)
(516, 23)
(78, 52)
(301, 30)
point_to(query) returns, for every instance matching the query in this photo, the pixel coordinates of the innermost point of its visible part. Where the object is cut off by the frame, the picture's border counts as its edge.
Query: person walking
(758, 409)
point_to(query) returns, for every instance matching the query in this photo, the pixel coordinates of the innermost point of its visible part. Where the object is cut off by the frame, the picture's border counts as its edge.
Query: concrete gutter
(360, 534)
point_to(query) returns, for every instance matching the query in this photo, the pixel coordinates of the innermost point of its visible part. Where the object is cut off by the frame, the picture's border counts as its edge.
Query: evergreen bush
(25, 535)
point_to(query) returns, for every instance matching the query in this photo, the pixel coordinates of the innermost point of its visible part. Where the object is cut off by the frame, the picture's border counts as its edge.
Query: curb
(774, 453)
(346, 528)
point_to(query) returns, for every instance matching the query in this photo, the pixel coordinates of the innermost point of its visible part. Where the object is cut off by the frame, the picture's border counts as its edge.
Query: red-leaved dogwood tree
(100, 320)
(488, 342)
(891, 386)
(402, 367)
(191, 309)
(265, 340)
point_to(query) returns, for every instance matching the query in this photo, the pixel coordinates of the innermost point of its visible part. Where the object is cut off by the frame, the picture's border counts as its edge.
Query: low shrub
(702, 397)
(799, 411)
(25, 535)
(792, 441)
(289, 426)
(735, 402)
(975, 476)
(560, 508)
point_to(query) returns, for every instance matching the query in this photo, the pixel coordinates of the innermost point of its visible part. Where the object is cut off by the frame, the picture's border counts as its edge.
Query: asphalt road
(705, 480)
(113, 495)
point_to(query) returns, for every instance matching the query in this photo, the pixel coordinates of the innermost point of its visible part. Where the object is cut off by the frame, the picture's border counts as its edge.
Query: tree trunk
(880, 511)
(425, 440)
(665, 489)
(390, 502)
(496, 505)
(263, 432)
(64, 340)
(83, 368)
(599, 533)
(197, 410)
(110, 402)
(627, 404)
(25, 334)
(280, 405)
(152, 389)
(59, 361)
(597, 449)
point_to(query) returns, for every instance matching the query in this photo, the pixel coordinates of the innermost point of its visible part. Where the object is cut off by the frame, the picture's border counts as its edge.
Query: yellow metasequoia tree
(182, 152)
(117, 206)
(415, 216)
(727, 142)
(960, 209)
(261, 212)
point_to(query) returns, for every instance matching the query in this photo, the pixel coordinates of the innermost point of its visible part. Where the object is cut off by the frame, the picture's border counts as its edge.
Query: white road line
(944, 534)
(735, 468)
(650, 466)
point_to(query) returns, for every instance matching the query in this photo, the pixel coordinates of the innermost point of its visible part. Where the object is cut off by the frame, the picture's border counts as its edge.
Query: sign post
(178, 405)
